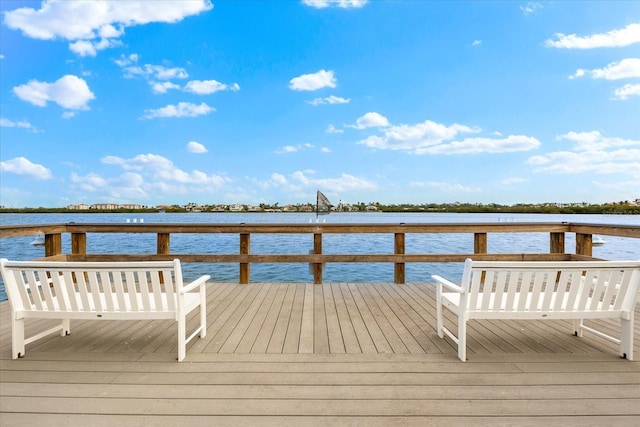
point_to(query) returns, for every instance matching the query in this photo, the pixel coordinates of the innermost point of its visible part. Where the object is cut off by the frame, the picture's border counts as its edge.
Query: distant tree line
(623, 207)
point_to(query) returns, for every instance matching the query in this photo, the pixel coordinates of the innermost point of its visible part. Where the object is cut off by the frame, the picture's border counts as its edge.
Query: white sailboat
(38, 241)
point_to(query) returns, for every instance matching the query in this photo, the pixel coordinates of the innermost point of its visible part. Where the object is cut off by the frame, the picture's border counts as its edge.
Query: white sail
(323, 205)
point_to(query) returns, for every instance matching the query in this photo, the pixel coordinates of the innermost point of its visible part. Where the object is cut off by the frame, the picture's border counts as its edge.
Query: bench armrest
(196, 283)
(447, 284)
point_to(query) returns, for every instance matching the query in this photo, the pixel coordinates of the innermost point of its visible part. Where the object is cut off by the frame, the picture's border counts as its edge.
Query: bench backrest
(92, 286)
(551, 286)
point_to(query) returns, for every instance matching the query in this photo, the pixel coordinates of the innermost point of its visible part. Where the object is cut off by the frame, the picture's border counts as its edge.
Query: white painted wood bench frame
(102, 291)
(542, 290)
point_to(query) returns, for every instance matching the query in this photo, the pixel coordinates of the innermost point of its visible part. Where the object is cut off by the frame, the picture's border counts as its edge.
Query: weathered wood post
(52, 244)
(163, 244)
(584, 244)
(479, 243)
(556, 243)
(245, 245)
(399, 267)
(317, 266)
(78, 243)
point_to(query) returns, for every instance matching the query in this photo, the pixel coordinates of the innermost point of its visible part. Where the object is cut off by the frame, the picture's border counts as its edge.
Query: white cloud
(511, 181)
(435, 138)
(333, 129)
(90, 182)
(127, 186)
(314, 81)
(182, 109)
(626, 91)
(94, 25)
(125, 61)
(594, 140)
(159, 77)
(345, 182)
(370, 120)
(447, 187)
(329, 100)
(345, 4)
(4, 122)
(300, 183)
(163, 173)
(205, 87)
(22, 166)
(476, 43)
(625, 69)
(196, 147)
(294, 148)
(69, 91)
(614, 38)
(592, 153)
(91, 48)
(510, 144)
(158, 72)
(152, 72)
(68, 114)
(278, 178)
(531, 7)
(163, 87)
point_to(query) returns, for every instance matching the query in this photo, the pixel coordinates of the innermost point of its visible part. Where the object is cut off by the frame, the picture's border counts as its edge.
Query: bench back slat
(133, 299)
(546, 286)
(120, 290)
(89, 287)
(169, 287)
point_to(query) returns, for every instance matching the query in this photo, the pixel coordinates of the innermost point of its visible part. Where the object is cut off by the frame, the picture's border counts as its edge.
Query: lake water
(20, 248)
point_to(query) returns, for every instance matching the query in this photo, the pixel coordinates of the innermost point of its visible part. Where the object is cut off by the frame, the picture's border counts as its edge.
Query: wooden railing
(244, 258)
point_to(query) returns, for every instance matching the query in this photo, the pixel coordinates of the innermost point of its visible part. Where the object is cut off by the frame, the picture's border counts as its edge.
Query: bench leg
(577, 327)
(626, 338)
(439, 311)
(66, 327)
(203, 312)
(182, 337)
(462, 337)
(17, 338)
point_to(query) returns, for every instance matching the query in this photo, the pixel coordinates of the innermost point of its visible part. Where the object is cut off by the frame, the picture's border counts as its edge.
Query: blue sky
(170, 102)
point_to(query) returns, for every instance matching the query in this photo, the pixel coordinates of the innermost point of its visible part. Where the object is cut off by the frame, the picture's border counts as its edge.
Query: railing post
(163, 244)
(245, 244)
(584, 244)
(317, 267)
(479, 243)
(78, 243)
(556, 243)
(52, 244)
(399, 268)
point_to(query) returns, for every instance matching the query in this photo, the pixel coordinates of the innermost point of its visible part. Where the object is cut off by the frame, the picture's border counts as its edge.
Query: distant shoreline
(618, 208)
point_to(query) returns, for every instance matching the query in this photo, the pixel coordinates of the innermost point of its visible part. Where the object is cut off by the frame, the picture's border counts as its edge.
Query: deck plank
(333, 354)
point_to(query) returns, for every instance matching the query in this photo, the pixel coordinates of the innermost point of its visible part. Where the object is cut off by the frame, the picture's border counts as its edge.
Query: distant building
(78, 207)
(130, 206)
(105, 206)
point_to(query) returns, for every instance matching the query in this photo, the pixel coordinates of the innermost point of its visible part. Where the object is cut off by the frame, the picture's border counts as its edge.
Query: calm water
(20, 248)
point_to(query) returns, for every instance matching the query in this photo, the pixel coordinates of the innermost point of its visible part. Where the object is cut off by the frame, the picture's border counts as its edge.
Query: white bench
(542, 290)
(100, 290)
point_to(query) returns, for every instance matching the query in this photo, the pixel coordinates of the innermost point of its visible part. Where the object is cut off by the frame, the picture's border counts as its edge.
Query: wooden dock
(305, 355)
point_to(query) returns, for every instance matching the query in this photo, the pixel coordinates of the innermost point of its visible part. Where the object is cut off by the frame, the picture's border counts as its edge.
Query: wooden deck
(332, 354)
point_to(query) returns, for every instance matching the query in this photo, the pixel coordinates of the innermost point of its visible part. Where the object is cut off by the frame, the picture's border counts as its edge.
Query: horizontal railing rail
(316, 258)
